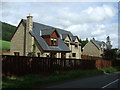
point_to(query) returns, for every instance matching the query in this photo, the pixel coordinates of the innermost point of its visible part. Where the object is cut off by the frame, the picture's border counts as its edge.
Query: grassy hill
(7, 31)
(5, 45)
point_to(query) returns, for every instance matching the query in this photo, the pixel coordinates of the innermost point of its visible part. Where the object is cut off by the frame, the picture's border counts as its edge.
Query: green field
(4, 45)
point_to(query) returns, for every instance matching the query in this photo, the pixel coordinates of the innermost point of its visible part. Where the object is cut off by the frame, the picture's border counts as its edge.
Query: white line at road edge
(110, 83)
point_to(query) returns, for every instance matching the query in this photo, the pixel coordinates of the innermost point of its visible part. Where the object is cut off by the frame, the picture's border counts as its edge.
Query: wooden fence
(20, 65)
(90, 57)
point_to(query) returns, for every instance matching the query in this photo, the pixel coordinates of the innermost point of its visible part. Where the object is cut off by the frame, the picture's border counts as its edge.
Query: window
(47, 55)
(67, 43)
(16, 53)
(53, 41)
(38, 54)
(73, 54)
(76, 45)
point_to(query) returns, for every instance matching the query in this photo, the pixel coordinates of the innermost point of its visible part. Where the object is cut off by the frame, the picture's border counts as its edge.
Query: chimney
(29, 22)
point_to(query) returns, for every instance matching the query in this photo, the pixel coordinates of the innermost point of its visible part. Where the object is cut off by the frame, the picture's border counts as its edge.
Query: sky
(84, 19)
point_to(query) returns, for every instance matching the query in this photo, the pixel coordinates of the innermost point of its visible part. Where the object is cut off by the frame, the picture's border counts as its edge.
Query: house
(96, 48)
(35, 39)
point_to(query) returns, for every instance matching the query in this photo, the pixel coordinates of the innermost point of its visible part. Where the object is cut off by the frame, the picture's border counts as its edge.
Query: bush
(111, 69)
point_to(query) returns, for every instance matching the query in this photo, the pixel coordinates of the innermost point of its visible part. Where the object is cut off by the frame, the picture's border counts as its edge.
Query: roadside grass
(31, 81)
(38, 80)
(111, 69)
(4, 45)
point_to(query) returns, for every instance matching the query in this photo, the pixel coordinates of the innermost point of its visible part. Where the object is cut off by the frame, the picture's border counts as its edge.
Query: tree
(83, 43)
(7, 31)
(118, 54)
(110, 54)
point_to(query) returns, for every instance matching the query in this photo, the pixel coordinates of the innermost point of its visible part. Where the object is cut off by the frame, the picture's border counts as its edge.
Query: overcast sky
(84, 19)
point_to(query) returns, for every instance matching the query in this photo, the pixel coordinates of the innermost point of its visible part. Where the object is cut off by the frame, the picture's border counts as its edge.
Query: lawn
(5, 45)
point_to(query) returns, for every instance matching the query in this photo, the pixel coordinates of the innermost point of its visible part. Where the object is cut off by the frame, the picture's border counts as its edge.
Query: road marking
(110, 83)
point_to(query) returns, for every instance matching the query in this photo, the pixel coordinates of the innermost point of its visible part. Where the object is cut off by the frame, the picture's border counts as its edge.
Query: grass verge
(111, 69)
(35, 80)
(29, 81)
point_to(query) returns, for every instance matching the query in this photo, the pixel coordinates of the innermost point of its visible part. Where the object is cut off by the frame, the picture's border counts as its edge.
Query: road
(111, 80)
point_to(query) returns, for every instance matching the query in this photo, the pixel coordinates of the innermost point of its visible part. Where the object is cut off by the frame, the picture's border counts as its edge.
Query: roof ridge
(49, 26)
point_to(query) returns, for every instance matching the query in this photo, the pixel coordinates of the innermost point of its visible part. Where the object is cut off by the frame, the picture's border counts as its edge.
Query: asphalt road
(111, 80)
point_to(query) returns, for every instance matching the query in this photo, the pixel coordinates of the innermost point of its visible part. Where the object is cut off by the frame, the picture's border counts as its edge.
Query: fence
(4, 51)
(20, 65)
(90, 57)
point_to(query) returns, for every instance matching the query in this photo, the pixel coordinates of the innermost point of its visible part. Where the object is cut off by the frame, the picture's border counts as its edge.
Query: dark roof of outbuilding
(47, 30)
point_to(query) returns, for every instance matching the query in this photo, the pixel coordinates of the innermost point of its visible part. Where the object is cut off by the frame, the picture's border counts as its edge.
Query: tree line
(7, 31)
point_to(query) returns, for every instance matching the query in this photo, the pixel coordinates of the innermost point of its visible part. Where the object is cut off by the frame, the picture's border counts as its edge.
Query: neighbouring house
(35, 39)
(96, 48)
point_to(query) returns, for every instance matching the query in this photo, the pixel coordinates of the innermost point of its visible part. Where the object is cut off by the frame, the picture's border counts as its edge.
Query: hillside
(7, 31)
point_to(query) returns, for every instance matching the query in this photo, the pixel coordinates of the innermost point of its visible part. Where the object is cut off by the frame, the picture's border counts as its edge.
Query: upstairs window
(76, 46)
(53, 41)
(73, 54)
(67, 43)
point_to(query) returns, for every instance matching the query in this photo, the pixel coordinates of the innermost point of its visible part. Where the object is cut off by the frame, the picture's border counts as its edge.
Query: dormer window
(51, 37)
(76, 44)
(53, 41)
(67, 44)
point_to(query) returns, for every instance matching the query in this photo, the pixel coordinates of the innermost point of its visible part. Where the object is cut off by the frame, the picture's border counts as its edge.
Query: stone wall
(17, 42)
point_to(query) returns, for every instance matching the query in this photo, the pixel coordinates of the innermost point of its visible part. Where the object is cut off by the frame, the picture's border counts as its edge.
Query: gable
(76, 40)
(67, 38)
(55, 34)
(90, 45)
(91, 49)
(20, 24)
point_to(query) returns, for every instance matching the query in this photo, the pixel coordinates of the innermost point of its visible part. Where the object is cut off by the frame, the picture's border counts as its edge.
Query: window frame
(16, 53)
(73, 54)
(38, 54)
(53, 41)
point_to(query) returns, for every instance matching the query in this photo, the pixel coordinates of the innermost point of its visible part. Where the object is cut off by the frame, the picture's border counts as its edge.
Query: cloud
(99, 13)
(90, 15)
(99, 31)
